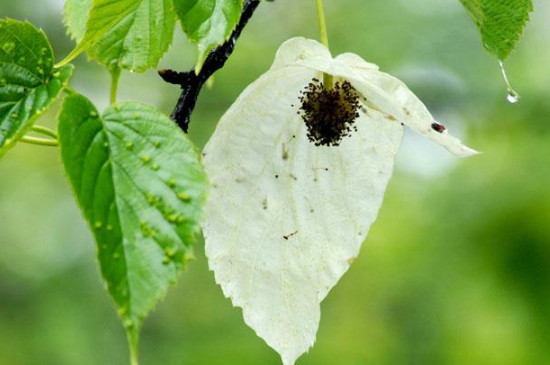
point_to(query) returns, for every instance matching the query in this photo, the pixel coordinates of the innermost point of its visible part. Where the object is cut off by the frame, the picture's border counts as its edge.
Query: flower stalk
(328, 81)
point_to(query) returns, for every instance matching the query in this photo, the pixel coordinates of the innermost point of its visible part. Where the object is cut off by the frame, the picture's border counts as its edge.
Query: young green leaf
(28, 82)
(208, 23)
(128, 34)
(500, 22)
(141, 186)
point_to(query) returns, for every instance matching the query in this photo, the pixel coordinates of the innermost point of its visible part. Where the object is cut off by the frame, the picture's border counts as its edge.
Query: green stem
(43, 130)
(40, 141)
(133, 344)
(328, 80)
(134, 359)
(115, 77)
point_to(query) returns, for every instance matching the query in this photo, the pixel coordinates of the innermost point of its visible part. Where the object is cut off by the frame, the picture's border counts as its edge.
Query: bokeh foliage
(455, 271)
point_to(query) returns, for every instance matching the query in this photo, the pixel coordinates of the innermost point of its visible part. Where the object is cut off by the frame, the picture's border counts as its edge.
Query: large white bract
(285, 218)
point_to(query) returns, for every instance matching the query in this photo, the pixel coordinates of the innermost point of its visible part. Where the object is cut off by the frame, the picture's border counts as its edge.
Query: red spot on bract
(440, 128)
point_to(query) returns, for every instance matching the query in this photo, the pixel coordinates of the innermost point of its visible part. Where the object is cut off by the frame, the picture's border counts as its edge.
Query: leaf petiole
(115, 77)
(133, 343)
(44, 130)
(40, 141)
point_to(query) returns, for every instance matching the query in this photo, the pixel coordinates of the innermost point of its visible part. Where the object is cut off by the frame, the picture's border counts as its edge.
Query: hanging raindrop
(512, 96)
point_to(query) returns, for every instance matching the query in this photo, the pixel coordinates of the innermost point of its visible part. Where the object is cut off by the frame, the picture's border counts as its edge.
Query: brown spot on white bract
(287, 236)
(438, 127)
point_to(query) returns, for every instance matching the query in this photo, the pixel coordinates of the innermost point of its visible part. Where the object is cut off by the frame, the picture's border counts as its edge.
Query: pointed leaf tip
(500, 23)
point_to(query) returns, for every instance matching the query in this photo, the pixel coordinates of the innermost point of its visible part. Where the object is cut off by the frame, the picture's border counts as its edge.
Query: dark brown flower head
(329, 114)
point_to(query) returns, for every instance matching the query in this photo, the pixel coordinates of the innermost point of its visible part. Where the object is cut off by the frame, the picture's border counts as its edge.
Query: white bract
(285, 218)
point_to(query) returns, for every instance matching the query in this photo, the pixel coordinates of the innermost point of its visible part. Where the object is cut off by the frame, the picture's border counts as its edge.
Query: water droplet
(166, 260)
(128, 323)
(129, 145)
(173, 218)
(183, 196)
(146, 159)
(105, 144)
(156, 144)
(511, 96)
(98, 225)
(155, 167)
(170, 252)
(171, 182)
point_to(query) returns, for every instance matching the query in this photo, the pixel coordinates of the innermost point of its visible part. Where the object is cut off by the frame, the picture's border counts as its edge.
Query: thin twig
(191, 83)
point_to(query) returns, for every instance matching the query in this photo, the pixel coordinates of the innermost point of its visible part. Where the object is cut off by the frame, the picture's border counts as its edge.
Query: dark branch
(191, 83)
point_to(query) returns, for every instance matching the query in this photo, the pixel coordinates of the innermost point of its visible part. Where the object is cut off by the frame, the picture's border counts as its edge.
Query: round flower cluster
(329, 114)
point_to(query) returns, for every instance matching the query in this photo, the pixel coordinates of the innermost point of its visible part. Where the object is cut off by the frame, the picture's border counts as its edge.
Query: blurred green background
(455, 271)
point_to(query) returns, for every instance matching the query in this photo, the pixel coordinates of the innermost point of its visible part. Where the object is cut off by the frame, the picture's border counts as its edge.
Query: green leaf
(128, 34)
(208, 23)
(500, 22)
(75, 15)
(141, 186)
(28, 82)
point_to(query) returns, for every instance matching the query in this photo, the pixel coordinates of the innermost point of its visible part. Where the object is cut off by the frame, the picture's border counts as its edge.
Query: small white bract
(286, 217)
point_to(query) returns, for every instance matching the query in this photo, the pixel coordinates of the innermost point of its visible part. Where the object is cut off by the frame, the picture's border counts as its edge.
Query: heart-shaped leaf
(128, 34)
(28, 82)
(141, 186)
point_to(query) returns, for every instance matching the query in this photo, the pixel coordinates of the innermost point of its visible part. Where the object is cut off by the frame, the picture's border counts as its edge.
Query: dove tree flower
(298, 166)
(293, 199)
